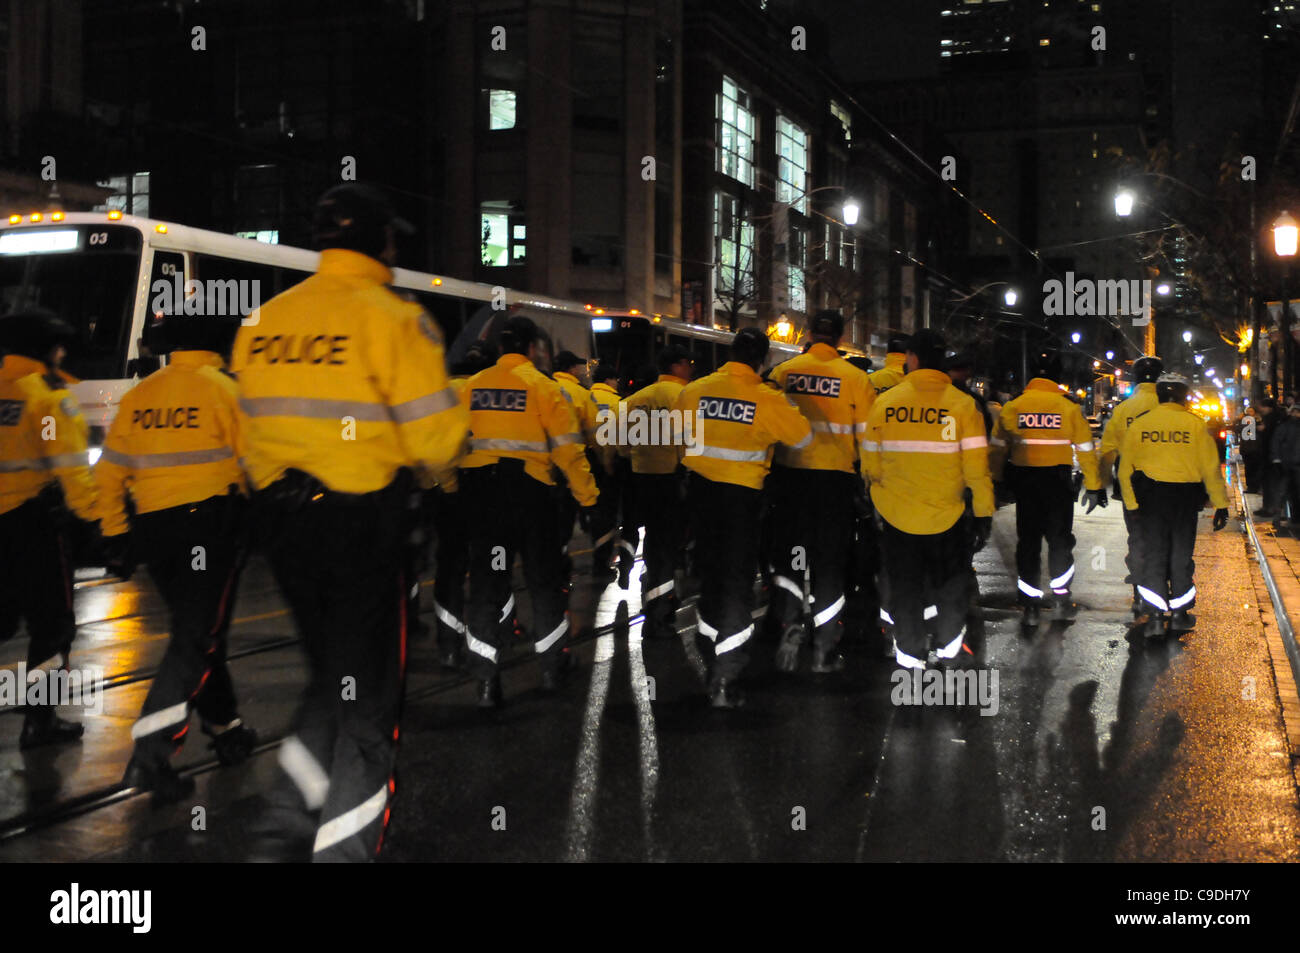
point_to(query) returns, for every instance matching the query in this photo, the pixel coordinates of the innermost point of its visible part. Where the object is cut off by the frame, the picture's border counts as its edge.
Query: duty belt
(297, 489)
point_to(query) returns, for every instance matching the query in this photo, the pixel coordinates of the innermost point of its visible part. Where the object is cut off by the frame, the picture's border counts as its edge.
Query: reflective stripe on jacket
(924, 446)
(648, 437)
(342, 379)
(175, 440)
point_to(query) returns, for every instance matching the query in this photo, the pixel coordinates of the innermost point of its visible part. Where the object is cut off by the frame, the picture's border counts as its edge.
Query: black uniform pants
(452, 556)
(604, 522)
(812, 531)
(658, 510)
(923, 588)
(192, 553)
(36, 583)
(512, 515)
(1133, 558)
(725, 523)
(341, 565)
(1166, 520)
(1044, 511)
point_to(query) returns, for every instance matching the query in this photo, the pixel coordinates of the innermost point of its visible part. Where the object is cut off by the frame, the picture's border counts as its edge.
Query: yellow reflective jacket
(606, 401)
(175, 440)
(344, 380)
(646, 436)
(730, 422)
(924, 446)
(583, 405)
(1171, 445)
(43, 438)
(1143, 399)
(1044, 428)
(891, 374)
(518, 413)
(836, 398)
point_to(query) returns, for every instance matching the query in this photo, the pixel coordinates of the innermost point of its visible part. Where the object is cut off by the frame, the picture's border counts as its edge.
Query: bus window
(85, 274)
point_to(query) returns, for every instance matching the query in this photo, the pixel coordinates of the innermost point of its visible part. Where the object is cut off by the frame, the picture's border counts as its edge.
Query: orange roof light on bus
(587, 306)
(160, 229)
(437, 281)
(114, 214)
(57, 217)
(15, 219)
(600, 310)
(634, 311)
(36, 216)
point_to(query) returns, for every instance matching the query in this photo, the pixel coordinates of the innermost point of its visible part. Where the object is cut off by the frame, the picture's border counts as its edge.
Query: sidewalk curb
(1280, 635)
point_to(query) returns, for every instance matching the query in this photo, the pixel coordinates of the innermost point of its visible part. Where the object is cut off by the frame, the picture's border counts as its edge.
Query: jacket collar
(353, 264)
(196, 359)
(665, 378)
(511, 361)
(601, 386)
(895, 359)
(565, 375)
(1043, 384)
(928, 379)
(743, 371)
(1147, 387)
(823, 351)
(16, 366)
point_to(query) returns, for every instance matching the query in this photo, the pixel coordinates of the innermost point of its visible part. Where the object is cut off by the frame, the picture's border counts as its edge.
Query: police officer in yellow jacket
(656, 487)
(44, 474)
(924, 447)
(602, 455)
(1168, 463)
(895, 365)
(451, 525)
(172, 459)
(813, 492)
(521, 425)
(1034, 442)
(734, 419)
(1146, 371)
(344, 404)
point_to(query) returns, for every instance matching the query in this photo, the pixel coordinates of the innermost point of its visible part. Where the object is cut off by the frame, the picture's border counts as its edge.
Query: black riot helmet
(196, 332)
(34, 333)
(1048, 367)
(897, 344)
(827, 323)
(356, 217)
(1147, 370)
(1172, 389)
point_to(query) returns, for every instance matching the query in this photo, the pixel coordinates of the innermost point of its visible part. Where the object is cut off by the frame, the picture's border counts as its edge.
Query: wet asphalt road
(1096, 745)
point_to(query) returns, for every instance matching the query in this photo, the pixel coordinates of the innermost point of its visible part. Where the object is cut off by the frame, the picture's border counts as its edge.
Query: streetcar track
(108, 796)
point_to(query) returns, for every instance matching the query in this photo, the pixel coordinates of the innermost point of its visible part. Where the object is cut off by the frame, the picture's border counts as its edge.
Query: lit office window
(792, 164)
(736, 132)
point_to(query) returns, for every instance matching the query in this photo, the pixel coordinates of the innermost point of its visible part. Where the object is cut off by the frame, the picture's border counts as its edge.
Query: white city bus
(98, 270)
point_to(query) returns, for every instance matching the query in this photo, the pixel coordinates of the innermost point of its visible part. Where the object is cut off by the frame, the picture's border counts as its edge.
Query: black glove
(1093, 499)
(118, 556)
(1220, 519)
(983, 530)
(586, 516)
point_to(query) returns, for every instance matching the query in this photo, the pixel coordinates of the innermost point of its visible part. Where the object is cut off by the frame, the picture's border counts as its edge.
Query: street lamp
(1123, 203)
(1162, 289)
(1009, 297)
(1187, 337)
(1200, 358)
(1110, 355)
(851, 210)
(1284, 235)
(1076, 337)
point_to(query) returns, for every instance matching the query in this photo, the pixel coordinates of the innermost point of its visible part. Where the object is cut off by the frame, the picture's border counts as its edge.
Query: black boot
(1155, 628)
(42, 726)
(555, 676)
(234, 744)
(1064, 609)
(723, 693)
(489, 692)
(161, 781)
(1182, 621)
(1030, 618)
(827, 660)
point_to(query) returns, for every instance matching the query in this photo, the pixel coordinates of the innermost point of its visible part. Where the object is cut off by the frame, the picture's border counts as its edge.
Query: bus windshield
(85, 274)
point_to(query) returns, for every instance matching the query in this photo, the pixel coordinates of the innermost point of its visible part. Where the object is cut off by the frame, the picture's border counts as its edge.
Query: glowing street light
(1162, 288)
(1123, 203)
(1110, 355)
(1187, 337)
(851, 210)
(1010, 297)
(1199, 358)
(1076, 337)
(1284, 235)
